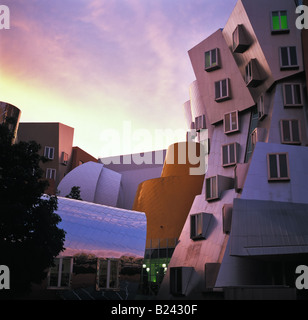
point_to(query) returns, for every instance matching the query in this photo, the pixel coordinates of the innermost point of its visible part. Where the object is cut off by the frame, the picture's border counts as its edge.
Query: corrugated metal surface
(268, 228)
(101, 230)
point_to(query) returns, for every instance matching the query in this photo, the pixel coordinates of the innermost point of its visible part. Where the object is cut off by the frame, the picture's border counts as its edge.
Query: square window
(293, 95)
(231, 123)
(199, 224)
(280, 22)
(290, 131)
(278, 167)
(288, 58)
(212, 60)
(230, 154)
(222, 90)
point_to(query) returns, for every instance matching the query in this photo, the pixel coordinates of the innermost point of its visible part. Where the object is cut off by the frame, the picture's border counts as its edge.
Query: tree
(29, 236)
(74, 194)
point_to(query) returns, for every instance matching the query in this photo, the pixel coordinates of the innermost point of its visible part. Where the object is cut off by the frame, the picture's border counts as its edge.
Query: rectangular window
(280, 22)
(290, 131)
(107, 274)
(288, 58)
(64, 158)
(253, 76)
(261, 107)
(59, 275)
(229, 154)
(211, 188)
(293, 95)
(278, 167)
(179, 278)
(222, 90)
(51, 173)
(200, 123)
(240, 39)
(212, 60)
(199, 224)
(231, 123)
(49, 153)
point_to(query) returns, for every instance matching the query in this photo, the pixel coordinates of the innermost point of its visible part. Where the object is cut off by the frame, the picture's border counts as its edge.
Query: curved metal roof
(104, 231)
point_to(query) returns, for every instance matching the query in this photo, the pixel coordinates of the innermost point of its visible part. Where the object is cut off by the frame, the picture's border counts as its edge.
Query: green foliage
(74, 194)
(29, 236)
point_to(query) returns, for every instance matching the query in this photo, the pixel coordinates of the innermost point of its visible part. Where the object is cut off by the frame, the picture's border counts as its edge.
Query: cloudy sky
(117, 71)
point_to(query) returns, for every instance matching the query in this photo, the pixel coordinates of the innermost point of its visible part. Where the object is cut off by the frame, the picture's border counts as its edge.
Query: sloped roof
(104, 231)
(268, 228)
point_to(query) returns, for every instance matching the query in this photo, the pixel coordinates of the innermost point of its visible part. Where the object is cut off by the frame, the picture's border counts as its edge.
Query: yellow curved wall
(167, 200)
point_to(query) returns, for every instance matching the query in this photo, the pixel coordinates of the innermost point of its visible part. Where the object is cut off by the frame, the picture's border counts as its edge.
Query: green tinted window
(275, 20)
(283, 20)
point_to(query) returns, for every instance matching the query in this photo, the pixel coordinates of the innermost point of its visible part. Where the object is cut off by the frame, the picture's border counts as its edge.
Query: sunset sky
(115, 70)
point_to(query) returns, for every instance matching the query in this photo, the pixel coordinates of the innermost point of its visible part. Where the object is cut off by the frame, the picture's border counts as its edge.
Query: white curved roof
(97, 184)
(103, 231)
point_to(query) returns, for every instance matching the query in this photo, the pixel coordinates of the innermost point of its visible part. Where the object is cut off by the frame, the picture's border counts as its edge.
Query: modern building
(56, 141)
(9, 111)
(97, 184)
(103, 254)
(134, 169)
(166, 202)
(248, 229)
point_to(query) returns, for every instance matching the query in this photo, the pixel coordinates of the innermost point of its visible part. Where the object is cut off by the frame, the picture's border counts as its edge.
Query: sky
(117, 71)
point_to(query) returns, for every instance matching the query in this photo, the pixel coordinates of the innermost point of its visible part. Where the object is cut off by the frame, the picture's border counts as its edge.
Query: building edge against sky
(247, 231)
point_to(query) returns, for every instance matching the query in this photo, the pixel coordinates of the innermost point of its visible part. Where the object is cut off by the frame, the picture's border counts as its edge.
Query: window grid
(279, 21)
(229, 154)
(211, 188)
(51, 173)
(49, 152)
(211, 59)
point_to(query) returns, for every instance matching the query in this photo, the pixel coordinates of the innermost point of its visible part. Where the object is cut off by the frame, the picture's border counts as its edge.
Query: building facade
(250, 94)
(56, 141)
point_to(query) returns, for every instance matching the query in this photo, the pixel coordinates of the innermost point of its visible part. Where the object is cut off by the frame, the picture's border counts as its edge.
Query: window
(200, 122)
(231, 122)
(240, 39)
(293, 95)
(211, 188)
(212, 60)
(108, 274)
(51, 173)
(229, 154)
(199, 224)
(290, 131)
(49, 152)
(179, 277)
(227, 218)
(59, 276)
(252, 74)
(261, 107)
(64, 158)
(278, 167)
(254, 138)
(288, 58)
(279, 22)
(222, 90)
